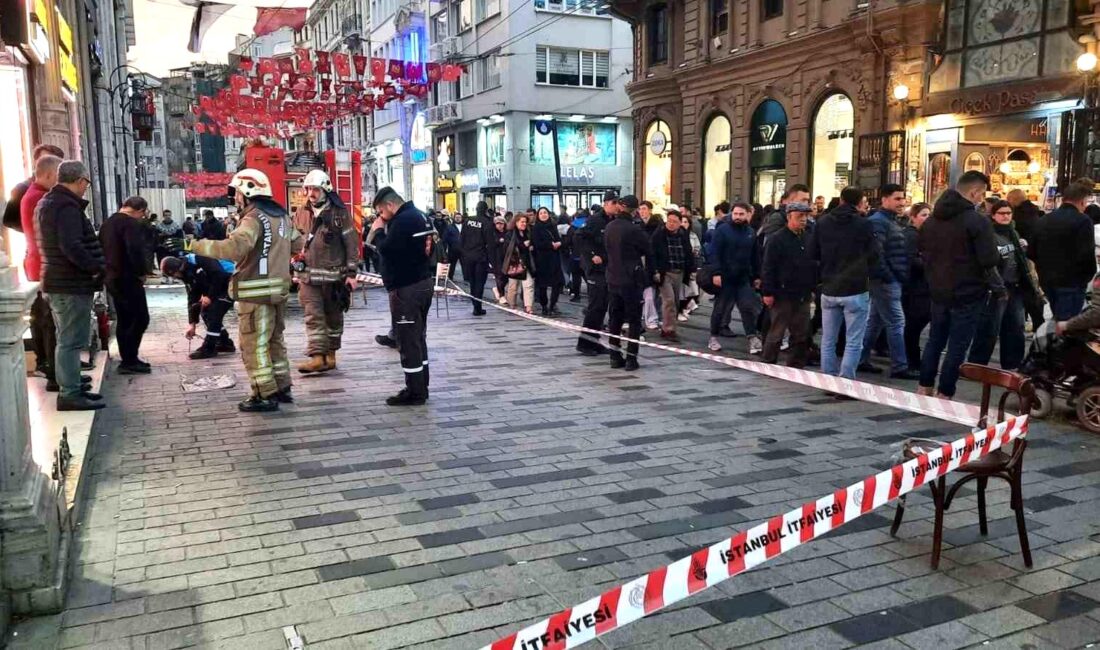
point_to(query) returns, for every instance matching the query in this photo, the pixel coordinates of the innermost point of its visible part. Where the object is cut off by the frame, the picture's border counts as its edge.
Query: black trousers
(594, 313)
(409, 308)
(555, 293)
(576, 276)
(918, 313)
(476, 272)
(212, 318)
(43, 335)
(624, 305)
(133, 316)
(789, 314)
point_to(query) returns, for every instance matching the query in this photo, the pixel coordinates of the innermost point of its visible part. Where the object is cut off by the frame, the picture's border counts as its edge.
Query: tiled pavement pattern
(535, 479)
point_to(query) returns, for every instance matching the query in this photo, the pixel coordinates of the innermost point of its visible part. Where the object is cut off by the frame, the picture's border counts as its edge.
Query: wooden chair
(442, 272)
(997, 464)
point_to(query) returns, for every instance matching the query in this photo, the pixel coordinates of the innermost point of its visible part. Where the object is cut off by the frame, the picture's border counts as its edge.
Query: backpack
(705, 278)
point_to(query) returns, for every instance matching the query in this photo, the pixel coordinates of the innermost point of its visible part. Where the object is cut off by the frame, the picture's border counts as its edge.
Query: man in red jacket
(43, 331)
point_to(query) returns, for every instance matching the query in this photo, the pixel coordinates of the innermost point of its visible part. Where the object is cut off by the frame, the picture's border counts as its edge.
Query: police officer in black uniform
(589, 242)
(629, 255)
(476, 241)
(407, 253)
(207, 282)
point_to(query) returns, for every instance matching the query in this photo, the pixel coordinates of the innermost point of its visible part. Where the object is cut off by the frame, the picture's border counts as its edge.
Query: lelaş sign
(578, 175)
(494, 176)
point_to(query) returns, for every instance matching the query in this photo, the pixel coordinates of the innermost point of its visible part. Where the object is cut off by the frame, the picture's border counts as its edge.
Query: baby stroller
(1065, 367)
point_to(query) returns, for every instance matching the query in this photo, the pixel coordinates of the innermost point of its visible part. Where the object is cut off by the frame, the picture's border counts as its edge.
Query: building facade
(564, 64)
(150, 145)
(738, 100)
(187, 150)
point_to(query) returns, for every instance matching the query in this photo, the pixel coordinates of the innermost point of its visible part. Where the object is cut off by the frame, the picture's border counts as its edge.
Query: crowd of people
(973, 269)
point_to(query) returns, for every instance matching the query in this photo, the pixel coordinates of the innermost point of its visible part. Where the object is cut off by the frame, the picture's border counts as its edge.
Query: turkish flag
(238, 82)
(377, 70)
(395, 68)
(414, 71)
(435, 72)
(286, 65)
(323, 66)
(451, 72)
(246, 63)
(360, 62)
(267, 66)
(270, 19)
(342, 64)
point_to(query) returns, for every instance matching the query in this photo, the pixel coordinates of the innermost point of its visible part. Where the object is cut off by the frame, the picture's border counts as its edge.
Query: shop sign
(658, 142)
(65, 61)
(494, 176)
(444, 183)
(420, 140)
(993, 103)
(578, 175)
(768, 135)
(26, 23)
(467, 181)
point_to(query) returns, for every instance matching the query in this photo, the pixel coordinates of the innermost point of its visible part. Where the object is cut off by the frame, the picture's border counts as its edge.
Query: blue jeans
(738, 293)
(886, 311)
(853, 311)
(1004, 320)
(1065, 302)
(952, 328)
(72, 315)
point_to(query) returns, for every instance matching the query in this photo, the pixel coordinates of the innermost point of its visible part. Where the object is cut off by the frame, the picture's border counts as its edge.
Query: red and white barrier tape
(721, 561)
(941, 409)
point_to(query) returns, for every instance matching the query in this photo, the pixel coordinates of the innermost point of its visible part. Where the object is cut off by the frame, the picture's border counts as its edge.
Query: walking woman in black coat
(519, 264)
(548, 274)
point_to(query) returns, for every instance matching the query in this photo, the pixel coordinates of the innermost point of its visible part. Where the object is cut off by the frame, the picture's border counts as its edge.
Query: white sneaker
(650, 327)
(713, 345)
(682, 317)
(692, 306)
(756, 346)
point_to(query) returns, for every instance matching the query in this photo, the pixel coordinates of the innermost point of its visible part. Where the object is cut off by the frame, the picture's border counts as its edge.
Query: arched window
(716, 161)
(833, 145)
(658, 163)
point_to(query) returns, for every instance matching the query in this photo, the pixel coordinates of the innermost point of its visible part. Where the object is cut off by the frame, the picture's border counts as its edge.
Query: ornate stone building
(738, 99)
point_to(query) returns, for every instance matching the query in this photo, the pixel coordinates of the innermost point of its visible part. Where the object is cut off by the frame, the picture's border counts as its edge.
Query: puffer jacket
(893, 264)
(960, 252)
(734, 252)
(72, 257)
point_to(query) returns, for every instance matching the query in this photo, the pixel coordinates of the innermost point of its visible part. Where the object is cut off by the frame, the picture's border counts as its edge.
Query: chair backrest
(1013, 384)
(442, 271)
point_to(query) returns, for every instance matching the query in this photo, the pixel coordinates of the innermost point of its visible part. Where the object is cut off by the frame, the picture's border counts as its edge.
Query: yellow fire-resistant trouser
(262, 347)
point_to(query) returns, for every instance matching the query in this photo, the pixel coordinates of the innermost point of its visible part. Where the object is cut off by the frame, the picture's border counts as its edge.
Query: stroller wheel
(1088, 408)
(1044, 404)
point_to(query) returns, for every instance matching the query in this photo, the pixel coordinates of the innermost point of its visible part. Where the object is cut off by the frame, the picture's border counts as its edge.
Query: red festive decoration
(342, 64)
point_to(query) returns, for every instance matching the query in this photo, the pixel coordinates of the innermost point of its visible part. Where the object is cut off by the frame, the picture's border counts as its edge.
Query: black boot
(225, 344)
(284, 396)
(384, 339)
(257, 404)
(617, 360)
(631, 363)
(208, 350)
(406, 398)
(78, 403)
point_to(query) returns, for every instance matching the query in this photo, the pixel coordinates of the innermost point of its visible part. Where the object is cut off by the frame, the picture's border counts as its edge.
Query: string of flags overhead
(275, 97)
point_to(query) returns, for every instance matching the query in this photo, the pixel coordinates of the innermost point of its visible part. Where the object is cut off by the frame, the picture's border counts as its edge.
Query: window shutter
(564, 62)
(540, 64)
(587, 69)
(603, 69)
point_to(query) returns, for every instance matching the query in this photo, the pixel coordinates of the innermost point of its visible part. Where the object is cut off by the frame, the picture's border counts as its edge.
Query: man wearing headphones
(261, 247)
(331, 259)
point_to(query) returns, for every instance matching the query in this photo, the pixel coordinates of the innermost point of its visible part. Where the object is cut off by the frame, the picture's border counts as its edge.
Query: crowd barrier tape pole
(941, 409)
(719, 562)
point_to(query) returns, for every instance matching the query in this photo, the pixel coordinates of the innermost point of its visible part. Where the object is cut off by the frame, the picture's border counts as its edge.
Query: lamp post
(1086, 65)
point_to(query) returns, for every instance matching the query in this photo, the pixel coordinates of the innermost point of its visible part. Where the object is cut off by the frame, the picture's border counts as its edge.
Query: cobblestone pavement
(535, 479)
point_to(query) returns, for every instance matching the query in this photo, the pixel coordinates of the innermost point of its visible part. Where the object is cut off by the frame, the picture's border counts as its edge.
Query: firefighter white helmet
(318, 178)
(251, 183)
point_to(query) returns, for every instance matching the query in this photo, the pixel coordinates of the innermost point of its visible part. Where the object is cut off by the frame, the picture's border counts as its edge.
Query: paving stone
(449, 501)
(326, 519)
(873, 627)
(946, 636)
(641, 494)
(728, 610)
(366, 566)
(1001, 621)
(1058, 605)
(544, 477)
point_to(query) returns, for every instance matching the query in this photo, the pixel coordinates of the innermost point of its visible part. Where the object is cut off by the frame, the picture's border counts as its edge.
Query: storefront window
(716, 161)
(658, 163)
(992, 41)
(494, 144)
(15, 141)
(768, 152)
(579, 143)
(833, 140)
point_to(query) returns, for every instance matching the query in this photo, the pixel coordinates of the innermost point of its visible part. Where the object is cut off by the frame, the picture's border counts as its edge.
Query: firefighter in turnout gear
(331, 260)
(261, 247)
(207, 282)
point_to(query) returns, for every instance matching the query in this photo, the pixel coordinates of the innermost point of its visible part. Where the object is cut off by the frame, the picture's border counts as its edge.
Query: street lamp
(901, 92)
(1086, 62)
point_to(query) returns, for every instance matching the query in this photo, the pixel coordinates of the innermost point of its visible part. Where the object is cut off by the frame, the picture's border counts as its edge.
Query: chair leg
(1018, 506)
(898, 514)
(982, 482)
(938, 493)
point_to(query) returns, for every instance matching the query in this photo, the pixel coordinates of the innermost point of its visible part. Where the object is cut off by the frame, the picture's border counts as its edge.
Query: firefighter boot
(330, 360)
(208, 350)
(225, 344)
(316, 363)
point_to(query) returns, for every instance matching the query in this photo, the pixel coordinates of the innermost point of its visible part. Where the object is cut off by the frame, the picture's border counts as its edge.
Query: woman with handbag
(547, 241)
(518, 263)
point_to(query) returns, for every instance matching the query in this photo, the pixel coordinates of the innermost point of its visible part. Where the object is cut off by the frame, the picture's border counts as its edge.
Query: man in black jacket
(788, 278)
(407, 275)
(475, 240)
(207, 282)
(1064, 251)
(1025, 214)
(629, 256)
(845, 247)
(589, 242)
(129, 258)
(887, 279)
(211, 227)
(960, 262)
(72, 271)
